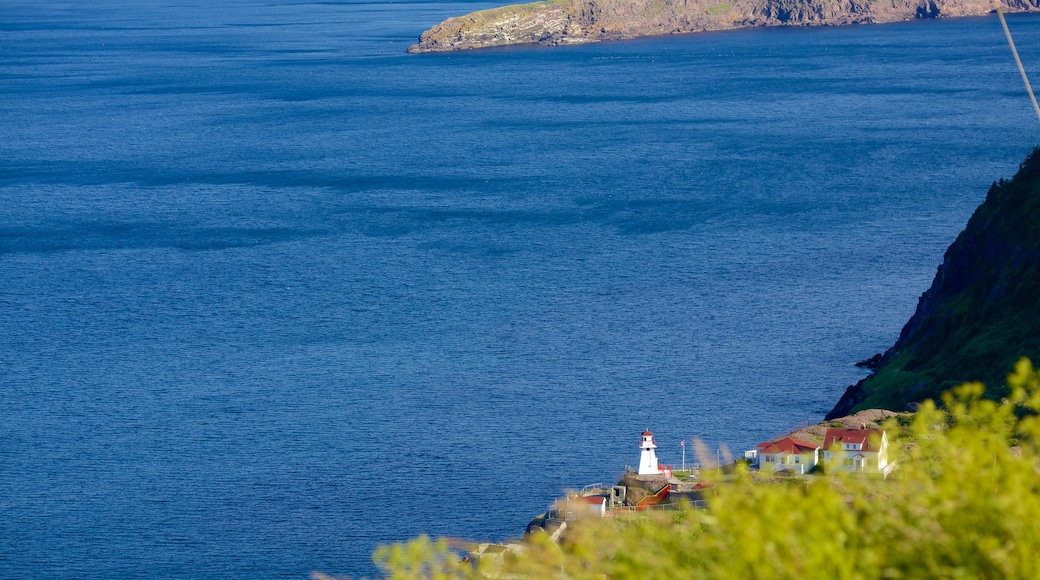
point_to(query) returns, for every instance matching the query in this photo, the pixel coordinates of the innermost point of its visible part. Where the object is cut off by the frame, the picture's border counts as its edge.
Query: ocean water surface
(273, 292)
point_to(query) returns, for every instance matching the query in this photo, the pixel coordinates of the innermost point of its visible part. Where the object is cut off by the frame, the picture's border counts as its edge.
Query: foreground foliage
(964, 503)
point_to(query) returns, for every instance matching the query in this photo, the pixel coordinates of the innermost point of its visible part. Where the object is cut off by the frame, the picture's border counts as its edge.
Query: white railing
(593, 486)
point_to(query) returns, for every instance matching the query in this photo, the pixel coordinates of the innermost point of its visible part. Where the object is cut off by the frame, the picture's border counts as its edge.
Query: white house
(596, 504)
(647, 456)
(787, 454)
(858, 450)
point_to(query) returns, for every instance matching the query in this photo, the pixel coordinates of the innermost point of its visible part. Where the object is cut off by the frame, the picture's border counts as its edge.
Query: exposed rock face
(577, 21)
(868, 418)
(981, 313)
(641, 486)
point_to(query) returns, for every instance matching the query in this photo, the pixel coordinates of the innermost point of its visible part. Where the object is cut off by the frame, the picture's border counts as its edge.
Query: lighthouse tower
(647, 455)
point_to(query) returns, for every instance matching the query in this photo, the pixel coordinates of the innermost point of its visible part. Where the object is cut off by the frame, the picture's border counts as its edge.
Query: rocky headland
(981, 314)
(557, 22)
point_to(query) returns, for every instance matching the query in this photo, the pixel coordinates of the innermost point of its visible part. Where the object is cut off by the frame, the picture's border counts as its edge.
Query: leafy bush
(965, 502)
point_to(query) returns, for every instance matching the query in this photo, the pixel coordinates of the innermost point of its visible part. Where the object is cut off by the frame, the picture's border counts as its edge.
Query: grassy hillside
(982, 312)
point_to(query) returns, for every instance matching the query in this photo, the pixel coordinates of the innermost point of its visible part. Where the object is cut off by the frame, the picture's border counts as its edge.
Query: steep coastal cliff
(558, 22)
(981, 313)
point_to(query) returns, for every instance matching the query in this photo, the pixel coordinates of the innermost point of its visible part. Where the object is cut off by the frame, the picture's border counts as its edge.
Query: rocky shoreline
(560, 22)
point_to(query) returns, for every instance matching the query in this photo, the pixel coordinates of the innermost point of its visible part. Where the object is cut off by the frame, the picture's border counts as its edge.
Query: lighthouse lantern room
(647, 456)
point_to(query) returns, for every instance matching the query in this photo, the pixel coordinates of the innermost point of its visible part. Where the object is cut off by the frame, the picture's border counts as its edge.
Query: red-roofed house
(787, 454)
(861, 450)
(597, 503)
(580, 506)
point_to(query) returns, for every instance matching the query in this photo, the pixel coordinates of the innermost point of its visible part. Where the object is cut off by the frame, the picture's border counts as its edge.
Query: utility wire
(1021, 70)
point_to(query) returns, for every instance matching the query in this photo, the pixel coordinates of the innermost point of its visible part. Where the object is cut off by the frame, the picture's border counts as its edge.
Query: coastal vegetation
(963, 504)
(981, 313)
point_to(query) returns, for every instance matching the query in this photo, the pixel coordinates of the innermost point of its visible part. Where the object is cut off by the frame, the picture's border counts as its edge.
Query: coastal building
(787, 454)
(648, 456)
(595, 504)
(857, 450)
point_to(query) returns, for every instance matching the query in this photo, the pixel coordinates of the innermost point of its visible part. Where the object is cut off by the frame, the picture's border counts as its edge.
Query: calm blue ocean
(273, 292)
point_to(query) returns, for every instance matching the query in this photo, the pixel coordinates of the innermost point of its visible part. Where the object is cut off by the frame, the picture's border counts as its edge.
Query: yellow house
(858, 450)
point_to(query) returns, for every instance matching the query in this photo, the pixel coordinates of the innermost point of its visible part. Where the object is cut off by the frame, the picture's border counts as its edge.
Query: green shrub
(965, 502)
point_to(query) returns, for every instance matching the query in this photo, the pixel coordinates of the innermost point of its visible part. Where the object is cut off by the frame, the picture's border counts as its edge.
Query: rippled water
(273, 292)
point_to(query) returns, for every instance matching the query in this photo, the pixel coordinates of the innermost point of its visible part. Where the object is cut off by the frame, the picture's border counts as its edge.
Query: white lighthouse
(647, 455)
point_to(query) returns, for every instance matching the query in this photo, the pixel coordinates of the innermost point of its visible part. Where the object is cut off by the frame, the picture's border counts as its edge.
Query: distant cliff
(981, 313)
(577, 21)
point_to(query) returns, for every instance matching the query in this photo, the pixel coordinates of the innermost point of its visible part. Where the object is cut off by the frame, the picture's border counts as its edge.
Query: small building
(787, 454)
(648, 456)
(857, 450)
(595, 504)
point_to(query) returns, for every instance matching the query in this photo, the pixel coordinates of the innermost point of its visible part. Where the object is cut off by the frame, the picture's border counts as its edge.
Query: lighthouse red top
(647, 433)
